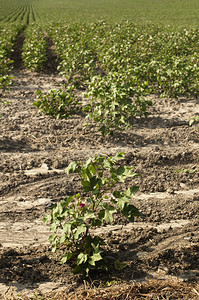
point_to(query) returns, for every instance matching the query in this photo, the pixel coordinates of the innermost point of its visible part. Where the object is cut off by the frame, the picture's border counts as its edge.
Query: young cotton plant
(58, 103)
(115, 100)
(72, 219)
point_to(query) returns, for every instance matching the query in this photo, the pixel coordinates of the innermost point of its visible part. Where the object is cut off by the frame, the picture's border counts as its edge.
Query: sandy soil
(34, 151)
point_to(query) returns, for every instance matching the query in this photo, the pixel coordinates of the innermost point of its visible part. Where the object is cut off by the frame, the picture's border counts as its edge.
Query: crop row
(8, 37)
(26, 13)
(168, 61)
(34, 51)
(159, 60)
(119, 65)
(35, 48)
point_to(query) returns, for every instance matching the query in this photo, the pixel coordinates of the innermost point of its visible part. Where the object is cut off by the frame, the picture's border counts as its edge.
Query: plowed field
(162, 251)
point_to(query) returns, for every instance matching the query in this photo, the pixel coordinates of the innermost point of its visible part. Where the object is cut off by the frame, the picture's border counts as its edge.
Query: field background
(167, 12)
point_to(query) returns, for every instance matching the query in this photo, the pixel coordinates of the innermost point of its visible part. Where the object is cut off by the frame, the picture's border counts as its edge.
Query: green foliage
(8, 37)
(173, 12)
(167, 61)
(187, 171)
(58, 103)
(5, 81)
(72, 219)
(115, 100)
(194, 119)
(76, 55)
(3, 102)
(117, 65)
(118, 265)
(120, 64)
(34, 49)
(20, 11)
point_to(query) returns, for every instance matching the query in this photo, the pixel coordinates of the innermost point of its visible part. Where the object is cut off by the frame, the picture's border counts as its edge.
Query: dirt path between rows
(34, 151)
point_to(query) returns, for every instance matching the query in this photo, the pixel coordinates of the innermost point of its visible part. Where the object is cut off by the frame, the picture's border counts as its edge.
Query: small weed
(194, 119)
(189, 171)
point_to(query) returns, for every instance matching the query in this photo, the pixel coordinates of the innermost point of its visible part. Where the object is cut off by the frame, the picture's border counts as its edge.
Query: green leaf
(95, 257)
(82, 258)
(117, 194)
(71, 167)
(46, 219)
(38, 92)
(121, 202)
(66, 257)
(54, 248)
(86, 186)
(130, 211)
(120, 170)
(96, 222)
(193, 119)
(108, 213)
(86, 174)
(81, 269)
(124, 172)
(131, 191)
(68, 200)
(118, 265)
(67, 228)
(119, 156)
(93, 181)
(80, 229)
(89, 215)
(92, 168)
(53, 227)
(103, 129)
(52, 238)
(62, 239)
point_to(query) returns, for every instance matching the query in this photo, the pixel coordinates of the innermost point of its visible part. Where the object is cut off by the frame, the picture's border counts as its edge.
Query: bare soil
(162, 251)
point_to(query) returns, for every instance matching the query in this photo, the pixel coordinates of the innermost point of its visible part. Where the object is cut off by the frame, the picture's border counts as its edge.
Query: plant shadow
(11, 145)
